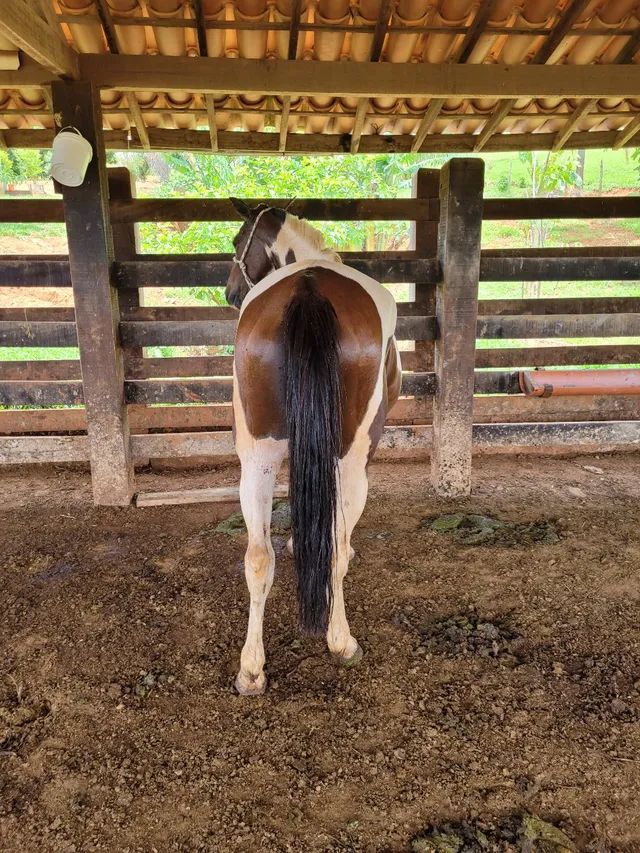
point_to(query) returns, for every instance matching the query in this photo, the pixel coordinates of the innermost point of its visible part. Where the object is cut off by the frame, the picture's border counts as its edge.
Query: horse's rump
(260, 354)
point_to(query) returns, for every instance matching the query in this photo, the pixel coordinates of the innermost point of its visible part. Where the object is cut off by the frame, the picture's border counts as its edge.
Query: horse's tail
(314, 422)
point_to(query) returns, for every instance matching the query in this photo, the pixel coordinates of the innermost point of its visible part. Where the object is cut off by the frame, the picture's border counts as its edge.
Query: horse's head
(254, 244)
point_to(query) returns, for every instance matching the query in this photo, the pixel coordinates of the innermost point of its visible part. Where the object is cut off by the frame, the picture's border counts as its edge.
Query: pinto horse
(316, 370)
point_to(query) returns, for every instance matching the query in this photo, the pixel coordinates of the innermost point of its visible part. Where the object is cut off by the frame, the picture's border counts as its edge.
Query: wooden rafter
(629, 50)
(294, 31)
(466, 48)
(292, 52)
(625, 55)
(427, 121)
(562, 26)
(115, 47)
(382, 25)
(358, 125)
(284, 125)
(211, 119)
(501, 112)
(361, 80)
(198, 14)
(474, 32)
(22, 25)
(627, 133)
(578, 114)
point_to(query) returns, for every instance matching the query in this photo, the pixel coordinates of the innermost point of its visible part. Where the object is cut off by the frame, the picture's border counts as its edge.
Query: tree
(205, 175)
(7, 173)
(548, 174)
(27, 164)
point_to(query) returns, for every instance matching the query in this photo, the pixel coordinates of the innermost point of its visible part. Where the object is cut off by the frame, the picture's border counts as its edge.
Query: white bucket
(71, 154)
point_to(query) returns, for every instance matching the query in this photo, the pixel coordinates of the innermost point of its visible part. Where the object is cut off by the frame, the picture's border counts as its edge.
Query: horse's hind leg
(260, 465)
(353, 487)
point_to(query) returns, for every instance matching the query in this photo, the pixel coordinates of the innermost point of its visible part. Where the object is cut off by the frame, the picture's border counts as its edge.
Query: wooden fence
(125, 410)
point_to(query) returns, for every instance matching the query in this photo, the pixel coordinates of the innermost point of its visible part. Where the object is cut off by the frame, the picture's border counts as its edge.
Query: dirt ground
(499, 680)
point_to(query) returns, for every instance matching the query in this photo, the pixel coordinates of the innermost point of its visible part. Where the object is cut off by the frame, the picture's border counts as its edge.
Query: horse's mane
(310, 235)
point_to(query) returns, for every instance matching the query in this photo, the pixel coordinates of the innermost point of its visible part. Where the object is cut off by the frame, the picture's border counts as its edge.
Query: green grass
(619, 172)
(550, 289)
(38, 353)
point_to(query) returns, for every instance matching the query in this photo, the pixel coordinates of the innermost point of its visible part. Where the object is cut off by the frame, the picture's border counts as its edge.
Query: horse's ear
(243, 209)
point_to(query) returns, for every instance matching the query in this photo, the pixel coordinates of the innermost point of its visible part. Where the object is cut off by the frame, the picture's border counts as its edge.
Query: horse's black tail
(314, 421)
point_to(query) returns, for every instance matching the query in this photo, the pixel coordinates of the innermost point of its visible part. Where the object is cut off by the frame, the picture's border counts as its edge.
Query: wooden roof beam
(431, 114)
(237, 142)
(627, 133)
(211, 119)
(113, 42)
(22, 24)
(493, 123)
(474, 32)
(560, 29)
(562, 26)
(578, 114)
(382, 25)
(629, 50)
(284, 124)
(358, 125)
(294, 32)
(198, 13)
(356, 79)
(292, 52)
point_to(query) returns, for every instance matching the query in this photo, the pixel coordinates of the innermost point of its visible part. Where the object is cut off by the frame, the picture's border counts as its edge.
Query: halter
(240, 260)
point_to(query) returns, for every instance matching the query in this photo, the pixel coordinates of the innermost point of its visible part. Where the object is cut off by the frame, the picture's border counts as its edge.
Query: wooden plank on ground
(222, 494)
(461, 186)
(96, 302)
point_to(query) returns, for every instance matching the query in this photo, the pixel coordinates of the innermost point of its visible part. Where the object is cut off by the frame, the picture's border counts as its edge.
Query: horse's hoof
(251, 687)
(352, 661)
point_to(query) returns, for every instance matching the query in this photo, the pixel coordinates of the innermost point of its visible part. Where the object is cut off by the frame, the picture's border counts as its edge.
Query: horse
(316, 369)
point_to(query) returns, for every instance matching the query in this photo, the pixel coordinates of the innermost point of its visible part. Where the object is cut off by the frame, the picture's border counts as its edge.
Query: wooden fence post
(424, 239)
(461, 187)
(86, 212)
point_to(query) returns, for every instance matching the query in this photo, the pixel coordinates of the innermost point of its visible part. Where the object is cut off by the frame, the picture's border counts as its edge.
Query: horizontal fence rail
(222, 210)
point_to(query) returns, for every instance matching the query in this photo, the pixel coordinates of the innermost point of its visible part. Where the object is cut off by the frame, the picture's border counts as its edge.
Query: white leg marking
(260, 461)
(353, 487)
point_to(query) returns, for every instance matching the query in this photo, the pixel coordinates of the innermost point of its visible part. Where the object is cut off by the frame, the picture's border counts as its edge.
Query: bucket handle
(69, 127)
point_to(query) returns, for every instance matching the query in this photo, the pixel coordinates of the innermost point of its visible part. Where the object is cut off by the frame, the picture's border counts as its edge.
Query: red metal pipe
(574, 383)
